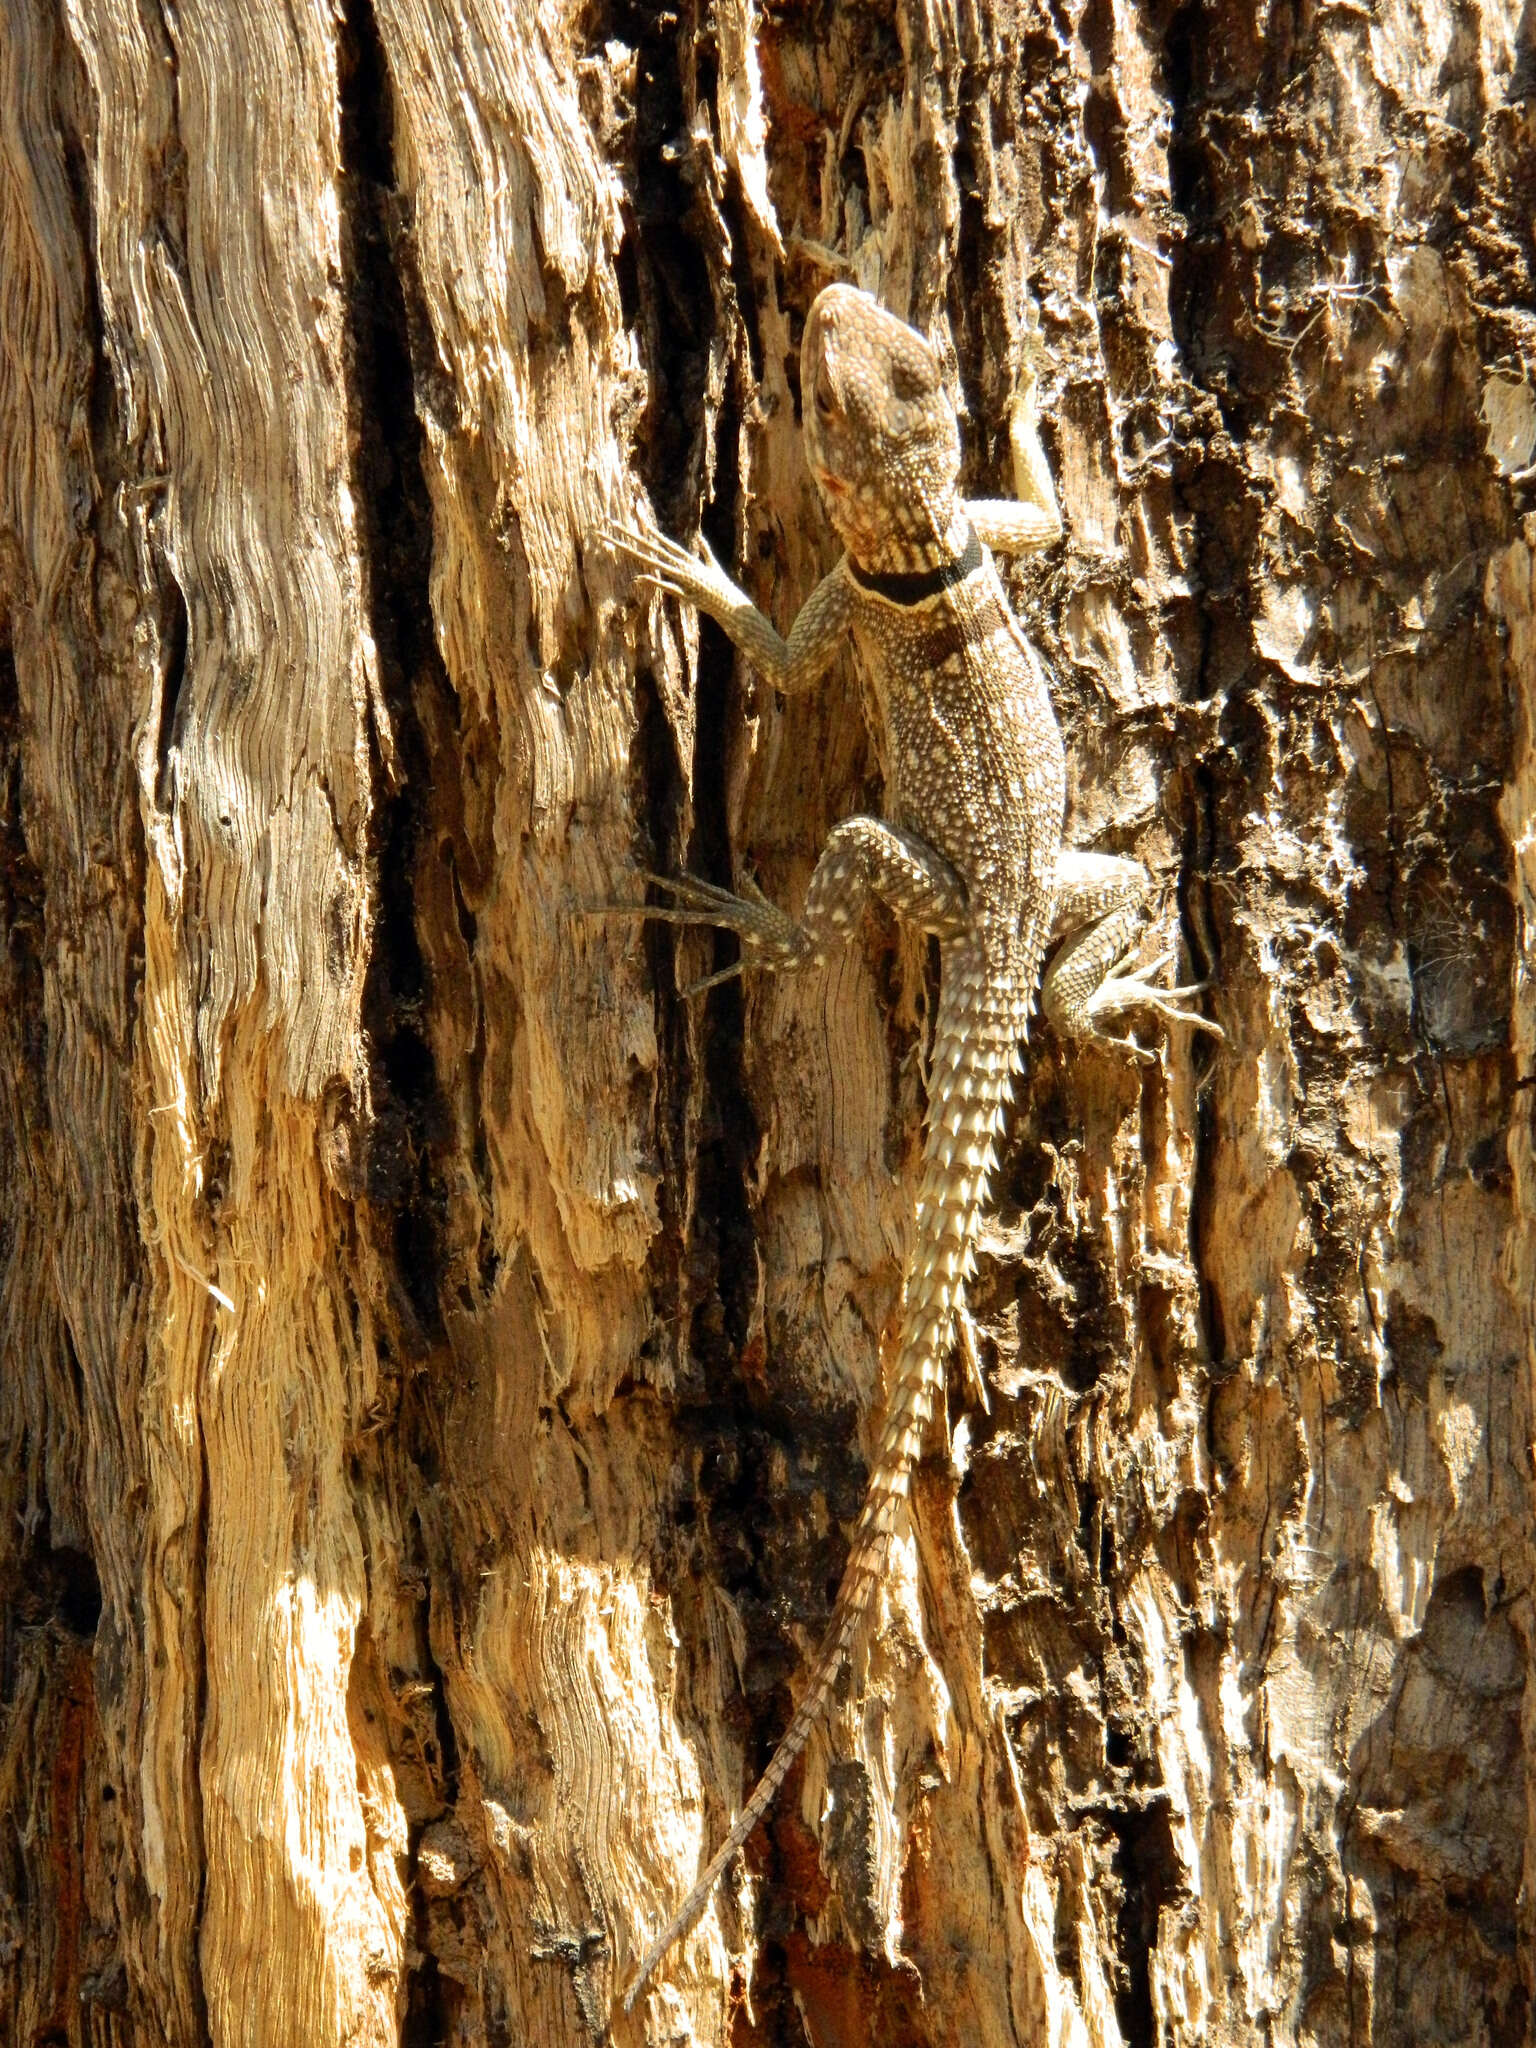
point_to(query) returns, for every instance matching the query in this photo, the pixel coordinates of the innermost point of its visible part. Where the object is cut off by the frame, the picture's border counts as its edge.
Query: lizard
(970, 849)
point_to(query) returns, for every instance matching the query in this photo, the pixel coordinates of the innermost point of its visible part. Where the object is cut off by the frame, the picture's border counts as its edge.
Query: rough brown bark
(439, 1360)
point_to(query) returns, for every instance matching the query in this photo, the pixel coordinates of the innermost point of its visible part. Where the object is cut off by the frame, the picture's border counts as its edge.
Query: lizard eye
(826, 404)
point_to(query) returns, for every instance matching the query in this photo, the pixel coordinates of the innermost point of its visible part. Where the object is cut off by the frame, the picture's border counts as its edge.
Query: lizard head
(880, 433)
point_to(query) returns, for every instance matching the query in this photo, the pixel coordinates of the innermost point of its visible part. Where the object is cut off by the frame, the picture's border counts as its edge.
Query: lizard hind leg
(863, 858)
(1101, 910)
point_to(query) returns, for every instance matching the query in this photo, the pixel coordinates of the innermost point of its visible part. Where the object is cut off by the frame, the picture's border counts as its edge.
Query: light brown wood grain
(438, 1362)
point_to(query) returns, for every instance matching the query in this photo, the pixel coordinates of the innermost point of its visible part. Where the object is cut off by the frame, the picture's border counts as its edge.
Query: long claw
(657, 913)
(655, 577)
(1139, 1053)
(709, 981)
(633, 540)
(662, 560)
(1130, 991)
(691, 889)
(1206, 1024)
(698, 904)
(1167, 1003)
(1136, 987)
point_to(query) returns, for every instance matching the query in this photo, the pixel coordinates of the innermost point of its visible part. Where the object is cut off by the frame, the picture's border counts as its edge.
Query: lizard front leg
(863, 858)
(1100, 912)
(791, 665)
(1030, 519)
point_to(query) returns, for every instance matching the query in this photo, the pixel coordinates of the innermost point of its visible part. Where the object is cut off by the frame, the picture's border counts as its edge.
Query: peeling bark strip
(438, 1363)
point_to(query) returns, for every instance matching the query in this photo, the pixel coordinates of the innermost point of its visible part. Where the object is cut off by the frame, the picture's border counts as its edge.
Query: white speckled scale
(971, 848)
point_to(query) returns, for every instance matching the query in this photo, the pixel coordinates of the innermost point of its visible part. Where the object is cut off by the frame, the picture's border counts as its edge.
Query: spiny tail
(975, 1055)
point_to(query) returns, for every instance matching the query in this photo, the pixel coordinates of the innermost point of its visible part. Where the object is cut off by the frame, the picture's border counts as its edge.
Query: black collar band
(913, 585)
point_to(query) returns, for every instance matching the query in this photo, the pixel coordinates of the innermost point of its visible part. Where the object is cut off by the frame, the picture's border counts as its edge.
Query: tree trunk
(442, 1359)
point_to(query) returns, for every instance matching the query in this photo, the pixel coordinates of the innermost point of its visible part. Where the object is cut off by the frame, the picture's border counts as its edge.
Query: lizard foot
(1137, 990)
(664, 564)
(696, 902)
(769, 937)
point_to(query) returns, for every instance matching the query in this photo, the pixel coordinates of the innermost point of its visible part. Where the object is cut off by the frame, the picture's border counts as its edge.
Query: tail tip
(629, 1998)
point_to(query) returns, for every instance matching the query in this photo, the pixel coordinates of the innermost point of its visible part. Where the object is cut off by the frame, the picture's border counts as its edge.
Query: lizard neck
(914, 586)
(917, 549)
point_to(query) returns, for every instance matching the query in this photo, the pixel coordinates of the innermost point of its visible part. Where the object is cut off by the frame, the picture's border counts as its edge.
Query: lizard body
(971, 849)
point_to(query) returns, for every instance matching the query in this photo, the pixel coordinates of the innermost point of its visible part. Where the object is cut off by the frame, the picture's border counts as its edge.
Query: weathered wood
(439, 1361)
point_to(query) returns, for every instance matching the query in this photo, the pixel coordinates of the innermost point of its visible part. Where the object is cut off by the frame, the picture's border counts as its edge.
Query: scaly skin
(971, 850)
